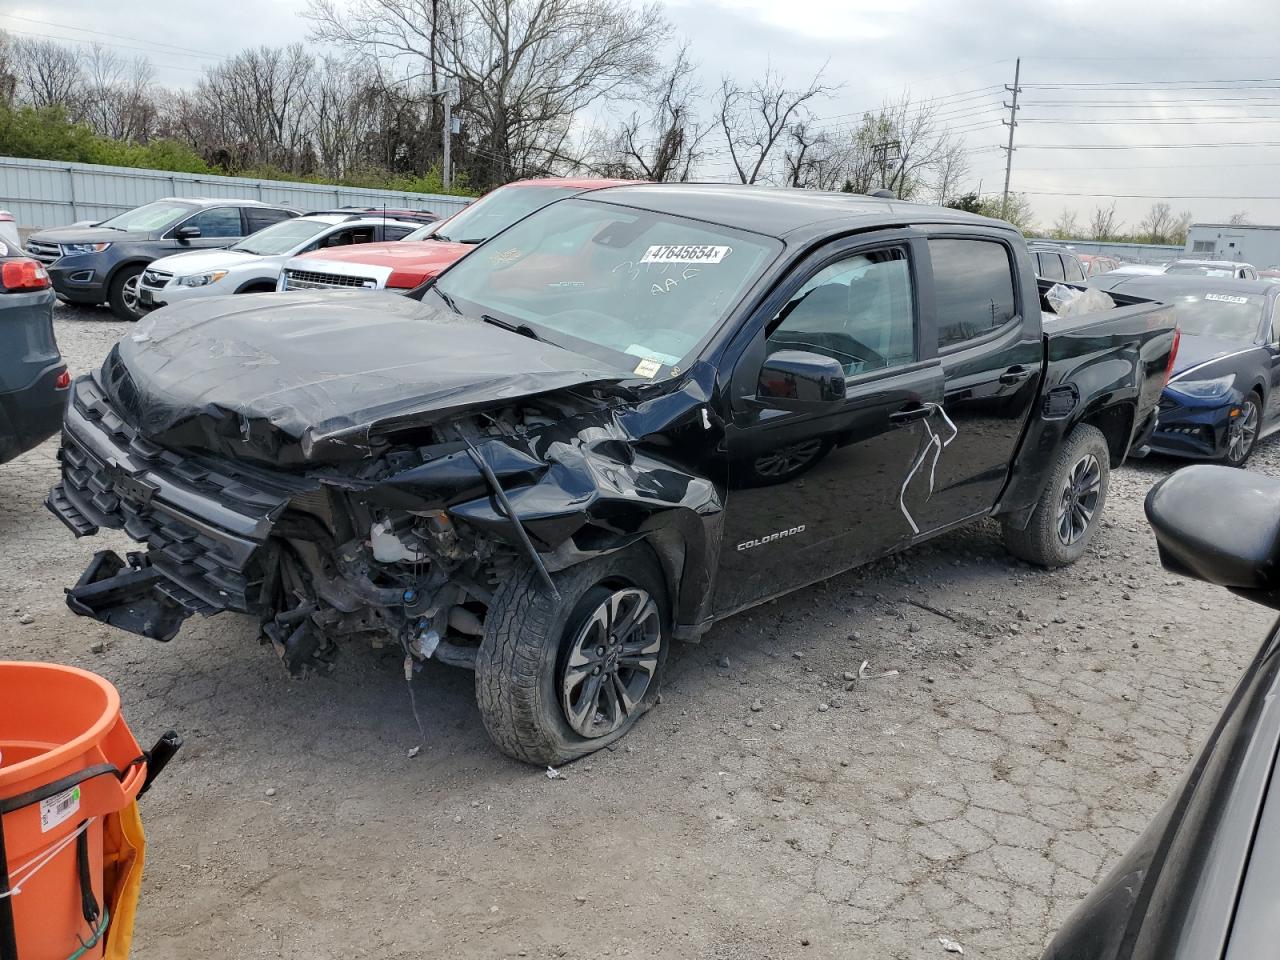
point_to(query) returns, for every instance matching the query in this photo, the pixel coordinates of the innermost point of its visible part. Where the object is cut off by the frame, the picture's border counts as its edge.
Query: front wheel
(1242, 432)
(1070, 507)
(556, 681)
(123, 294)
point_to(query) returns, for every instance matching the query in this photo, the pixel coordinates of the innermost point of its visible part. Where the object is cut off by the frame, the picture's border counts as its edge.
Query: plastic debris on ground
(951, 946)
(554, 774)
(1069, 302)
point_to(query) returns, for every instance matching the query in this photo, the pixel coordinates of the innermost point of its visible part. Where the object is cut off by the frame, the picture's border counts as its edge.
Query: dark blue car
(33, 378)
(1222, 396)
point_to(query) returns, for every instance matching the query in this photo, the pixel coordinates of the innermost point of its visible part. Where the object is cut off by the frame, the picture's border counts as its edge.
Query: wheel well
(257, 286)
(124, 265)
(1116, 424)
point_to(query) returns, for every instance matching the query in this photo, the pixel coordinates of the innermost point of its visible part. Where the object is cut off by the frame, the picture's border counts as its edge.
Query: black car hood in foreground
(294, 378)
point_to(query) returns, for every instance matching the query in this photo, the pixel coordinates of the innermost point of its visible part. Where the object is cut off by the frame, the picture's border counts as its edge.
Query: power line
(1146, 196)
(1148, 146)
(1156, 120)
(114, 46)
(116, 36)
(1067, 84)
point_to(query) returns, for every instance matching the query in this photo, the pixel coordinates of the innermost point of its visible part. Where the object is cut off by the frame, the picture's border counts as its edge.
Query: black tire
(523, 662)
(1063, 523)
(123, 295)
(1249, 423)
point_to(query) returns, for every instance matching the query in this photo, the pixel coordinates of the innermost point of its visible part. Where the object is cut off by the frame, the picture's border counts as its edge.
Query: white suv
(253, 265)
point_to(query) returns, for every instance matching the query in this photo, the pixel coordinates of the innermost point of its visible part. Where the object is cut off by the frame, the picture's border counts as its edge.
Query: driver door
(815, 487)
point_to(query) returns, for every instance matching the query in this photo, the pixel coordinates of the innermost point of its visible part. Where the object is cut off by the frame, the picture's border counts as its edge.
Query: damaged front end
(395, 524)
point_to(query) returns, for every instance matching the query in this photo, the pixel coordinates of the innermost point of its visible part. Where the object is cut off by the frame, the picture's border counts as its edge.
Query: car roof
(1175, 284)
(221, 202)
(580, 183)
(1221, 264)
(778, 211)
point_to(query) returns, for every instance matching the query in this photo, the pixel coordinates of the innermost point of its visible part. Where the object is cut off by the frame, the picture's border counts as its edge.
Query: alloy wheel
(129, 293)
(611, 662)
(1242, 433)
(1079, 499)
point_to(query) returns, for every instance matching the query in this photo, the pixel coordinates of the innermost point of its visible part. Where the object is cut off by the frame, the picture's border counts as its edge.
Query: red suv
(423, 254)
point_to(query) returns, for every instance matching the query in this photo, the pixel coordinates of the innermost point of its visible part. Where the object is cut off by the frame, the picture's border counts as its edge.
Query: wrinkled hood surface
(89, 235)
(294, 378)
(202, 261)
(1193, 351)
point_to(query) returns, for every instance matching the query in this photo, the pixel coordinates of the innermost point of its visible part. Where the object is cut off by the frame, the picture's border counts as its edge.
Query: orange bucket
(67, 761)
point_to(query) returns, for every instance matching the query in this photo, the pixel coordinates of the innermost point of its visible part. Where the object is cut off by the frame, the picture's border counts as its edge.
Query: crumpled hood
(202, 261)
(296, 378)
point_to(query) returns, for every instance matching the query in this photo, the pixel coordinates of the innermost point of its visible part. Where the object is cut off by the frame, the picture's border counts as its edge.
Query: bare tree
(116, 99)
(48, 74)
(1103, 224)
(950, 169)
(666, 143)
(1158, 225)
(1238, 219)
(521, 69)
(753, 118)
(1066, 226)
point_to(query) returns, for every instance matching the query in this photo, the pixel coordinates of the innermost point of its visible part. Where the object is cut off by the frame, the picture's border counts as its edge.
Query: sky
(1153, 83)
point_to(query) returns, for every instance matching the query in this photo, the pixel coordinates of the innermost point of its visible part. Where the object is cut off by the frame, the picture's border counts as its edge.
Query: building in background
(1250, 243)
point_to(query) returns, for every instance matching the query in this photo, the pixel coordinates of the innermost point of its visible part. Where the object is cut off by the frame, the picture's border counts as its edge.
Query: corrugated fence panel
(46, 193)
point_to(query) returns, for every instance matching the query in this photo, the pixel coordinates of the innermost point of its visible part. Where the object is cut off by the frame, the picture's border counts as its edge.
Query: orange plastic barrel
(57, 722)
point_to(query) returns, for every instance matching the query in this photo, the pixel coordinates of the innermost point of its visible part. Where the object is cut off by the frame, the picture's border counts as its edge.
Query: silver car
(253, 265)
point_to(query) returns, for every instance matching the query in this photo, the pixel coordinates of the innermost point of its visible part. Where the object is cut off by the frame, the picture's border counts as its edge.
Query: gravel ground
(1016, 730)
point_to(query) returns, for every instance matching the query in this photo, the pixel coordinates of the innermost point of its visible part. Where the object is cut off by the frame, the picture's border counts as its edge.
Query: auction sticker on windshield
(687, 253)
(1225, 298)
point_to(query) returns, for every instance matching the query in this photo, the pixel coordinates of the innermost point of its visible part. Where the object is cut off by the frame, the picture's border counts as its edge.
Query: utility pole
(882, 150)
(446, 172)
(1012, 122)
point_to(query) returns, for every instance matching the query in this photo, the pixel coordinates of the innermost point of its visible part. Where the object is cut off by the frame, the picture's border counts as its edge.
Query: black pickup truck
(627, 416)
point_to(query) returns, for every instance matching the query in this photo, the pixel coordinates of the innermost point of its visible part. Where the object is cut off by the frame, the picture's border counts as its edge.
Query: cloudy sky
(1155, 83)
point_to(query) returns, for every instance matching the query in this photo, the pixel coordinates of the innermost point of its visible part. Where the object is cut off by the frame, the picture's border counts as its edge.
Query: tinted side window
(858, 310)
(973, 288)
(1075, 273)
(397, 231)
(218, 222)
(1050, 266)
(260, 217)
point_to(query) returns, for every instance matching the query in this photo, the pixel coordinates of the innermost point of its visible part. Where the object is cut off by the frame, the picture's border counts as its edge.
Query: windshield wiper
(521, 328)
(447, 299)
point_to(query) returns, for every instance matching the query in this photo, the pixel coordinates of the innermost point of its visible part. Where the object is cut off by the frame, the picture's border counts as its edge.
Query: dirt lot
(1017, 730)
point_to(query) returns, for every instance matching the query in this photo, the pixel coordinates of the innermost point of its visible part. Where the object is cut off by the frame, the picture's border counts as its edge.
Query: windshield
(282, 237)
(1227, 316)
(496, 211)
(150, 216)
(632, 287)
(424, 231)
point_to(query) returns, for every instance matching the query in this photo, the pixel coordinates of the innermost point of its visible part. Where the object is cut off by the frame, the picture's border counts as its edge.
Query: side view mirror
(1220, 525)
(187, 233)
(799, 380)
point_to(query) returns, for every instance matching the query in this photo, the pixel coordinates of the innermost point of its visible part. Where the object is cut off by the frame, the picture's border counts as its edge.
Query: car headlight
(1204, 389)
(202, 279)
(74, 248)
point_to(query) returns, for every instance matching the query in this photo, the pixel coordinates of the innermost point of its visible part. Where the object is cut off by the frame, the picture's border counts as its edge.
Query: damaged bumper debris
(394, 521)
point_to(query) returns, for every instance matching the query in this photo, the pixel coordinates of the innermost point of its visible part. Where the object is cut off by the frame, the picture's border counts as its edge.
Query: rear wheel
(1242, 432)
(556, 681)
(123, 295)
(1070, 507)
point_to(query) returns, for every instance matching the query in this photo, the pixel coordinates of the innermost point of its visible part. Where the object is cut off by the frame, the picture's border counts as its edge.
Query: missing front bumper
(132, 596)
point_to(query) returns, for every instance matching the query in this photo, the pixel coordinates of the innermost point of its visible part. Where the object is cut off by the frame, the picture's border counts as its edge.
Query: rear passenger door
(989, 342)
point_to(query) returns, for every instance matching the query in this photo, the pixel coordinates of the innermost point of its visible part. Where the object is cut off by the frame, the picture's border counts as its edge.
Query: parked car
(403, 266)
(1272, 273)
(1202, 881)
(9, 231)
(568, 449)
(391, 213)
(1137, 270)
(1212, 268)
(1055, 263)
(103, 263)
(1095, 264)
(1225, 390)
(253, 264)
(33, 379)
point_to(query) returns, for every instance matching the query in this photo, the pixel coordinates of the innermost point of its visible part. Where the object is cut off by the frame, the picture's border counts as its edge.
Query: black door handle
(909, 414)
(1015, 375)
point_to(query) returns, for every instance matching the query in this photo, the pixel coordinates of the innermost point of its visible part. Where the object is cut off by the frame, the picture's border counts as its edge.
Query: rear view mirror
(187, 233)
(1220, 525)
(797, 379)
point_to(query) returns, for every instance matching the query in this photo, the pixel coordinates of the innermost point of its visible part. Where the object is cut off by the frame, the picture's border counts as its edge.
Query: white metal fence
(48, 193)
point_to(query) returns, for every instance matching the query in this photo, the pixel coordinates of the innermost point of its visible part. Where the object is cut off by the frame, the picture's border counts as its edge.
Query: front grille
(156, 278)
(204, 521)
(46, 253)
(310, 280)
